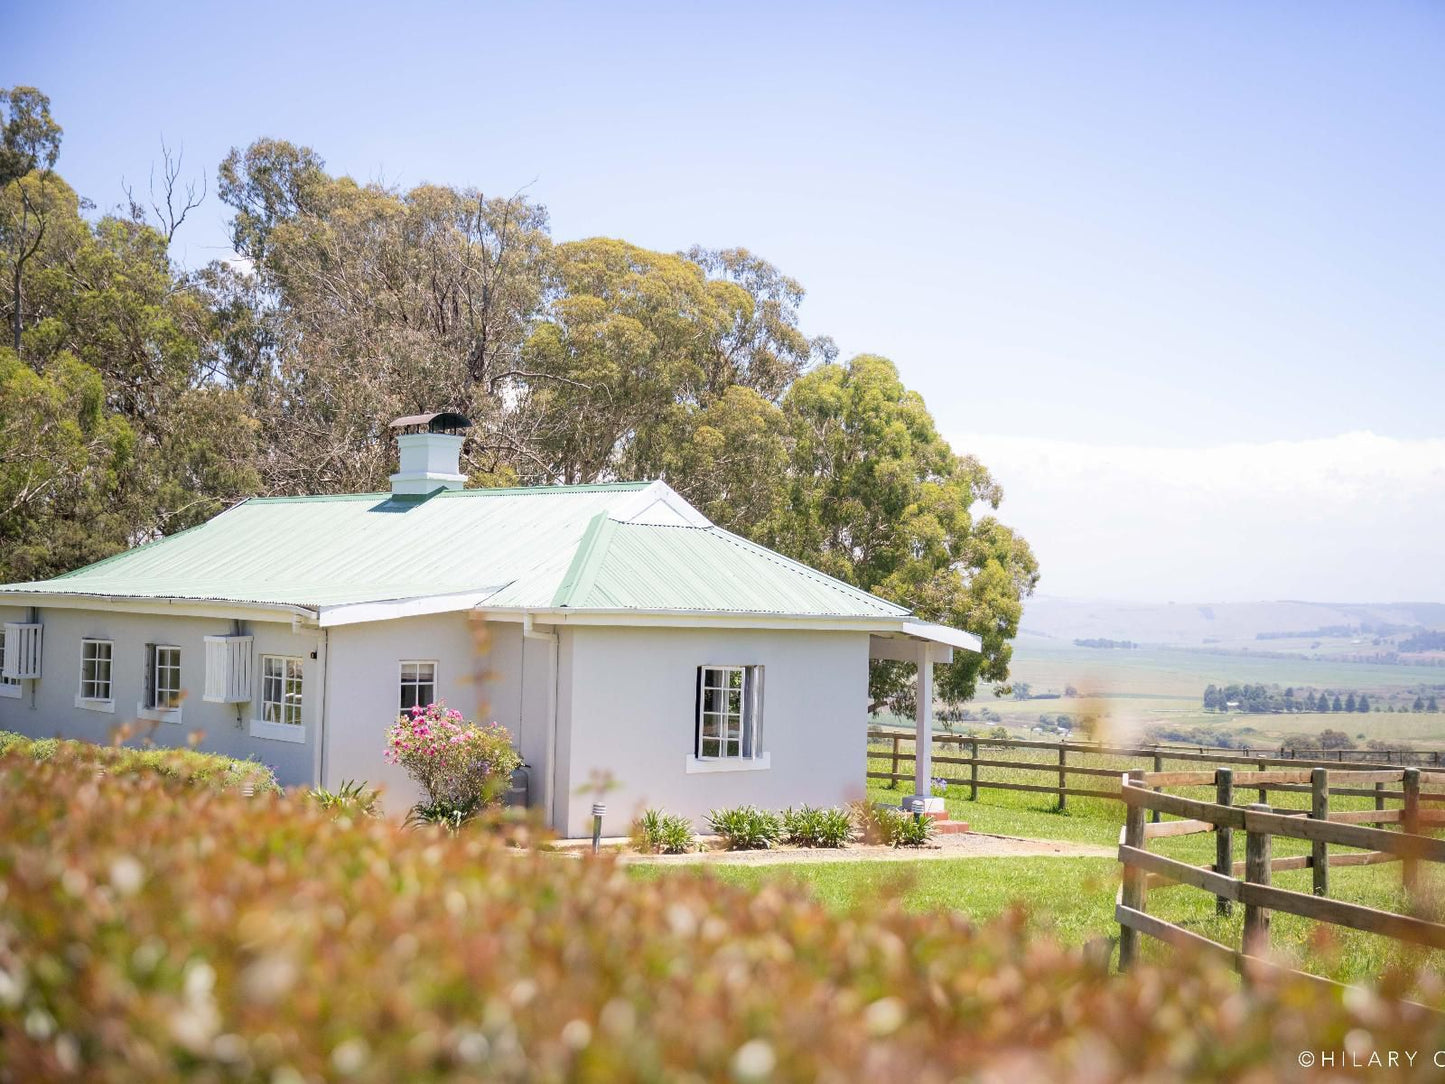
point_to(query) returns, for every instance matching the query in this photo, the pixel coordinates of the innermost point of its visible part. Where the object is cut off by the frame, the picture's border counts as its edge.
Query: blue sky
(1102, 226)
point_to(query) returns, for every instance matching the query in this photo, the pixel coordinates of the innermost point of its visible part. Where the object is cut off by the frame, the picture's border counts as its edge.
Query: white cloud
(1353, 518)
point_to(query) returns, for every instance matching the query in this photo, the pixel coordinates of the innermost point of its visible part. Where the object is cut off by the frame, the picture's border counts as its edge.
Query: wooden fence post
(1410, 822)
(1223, 835)
(1158, 767)
(1132, 895)
(1063, 779)
(1320, 811)
(1263, 794)
(1379, 795)
(973, 774)
(1256, 871)
(893, 771)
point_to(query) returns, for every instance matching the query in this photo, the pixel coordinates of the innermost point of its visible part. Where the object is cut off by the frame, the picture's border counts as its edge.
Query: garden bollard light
(599, 810)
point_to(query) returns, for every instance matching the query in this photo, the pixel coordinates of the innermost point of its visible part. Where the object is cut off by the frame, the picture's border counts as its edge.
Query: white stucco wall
(630, 696)
(47, 707)
(625, 702)
(481, 671)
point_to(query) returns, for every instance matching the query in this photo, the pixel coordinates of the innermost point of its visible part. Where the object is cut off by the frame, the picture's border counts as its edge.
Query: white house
(612, 628)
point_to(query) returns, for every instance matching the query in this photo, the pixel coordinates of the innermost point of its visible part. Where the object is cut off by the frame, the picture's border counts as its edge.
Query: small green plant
(910, 831)
(746, 827)
(810, 827)
(868, 820)
(449, 815)
(881, 824)
(656, 832)
(350, 798)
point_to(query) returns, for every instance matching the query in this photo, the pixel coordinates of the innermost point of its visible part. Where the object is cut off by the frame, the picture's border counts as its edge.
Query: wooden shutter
(228, 669)
(22, 650)
(150, 676)
(697, 716)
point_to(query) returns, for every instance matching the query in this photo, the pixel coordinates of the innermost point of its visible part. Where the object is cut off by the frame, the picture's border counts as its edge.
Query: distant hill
(1229, 623)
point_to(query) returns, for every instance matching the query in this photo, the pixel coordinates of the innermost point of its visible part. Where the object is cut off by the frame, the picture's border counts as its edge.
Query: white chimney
(431, 452)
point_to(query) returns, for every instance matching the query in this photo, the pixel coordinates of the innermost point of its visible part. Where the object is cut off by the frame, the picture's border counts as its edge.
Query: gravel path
(963, 845)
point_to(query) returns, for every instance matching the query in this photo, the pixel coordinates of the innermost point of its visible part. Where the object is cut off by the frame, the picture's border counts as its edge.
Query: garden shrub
(907, 830)
(656, 832)
(351, 798)
(187, 765)
(810, 827)
(745, 827)
(460, 766)
(153, 931)
(879, 824)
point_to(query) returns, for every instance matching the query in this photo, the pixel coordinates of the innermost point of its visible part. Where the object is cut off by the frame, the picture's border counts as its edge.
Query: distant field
(1183, 672)
(1133, 689)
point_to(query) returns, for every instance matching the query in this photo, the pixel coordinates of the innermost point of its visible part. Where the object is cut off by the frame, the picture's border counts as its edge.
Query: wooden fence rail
(1362, 779)
(1321, 828)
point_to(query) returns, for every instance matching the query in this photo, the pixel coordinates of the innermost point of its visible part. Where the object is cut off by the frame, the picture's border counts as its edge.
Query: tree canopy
(140, 397)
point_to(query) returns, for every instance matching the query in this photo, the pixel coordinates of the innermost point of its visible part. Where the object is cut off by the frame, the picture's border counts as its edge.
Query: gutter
(150, 604)
(550, 780)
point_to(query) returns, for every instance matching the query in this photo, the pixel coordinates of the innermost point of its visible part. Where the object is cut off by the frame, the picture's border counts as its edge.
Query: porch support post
(923, 716)
(922, 800)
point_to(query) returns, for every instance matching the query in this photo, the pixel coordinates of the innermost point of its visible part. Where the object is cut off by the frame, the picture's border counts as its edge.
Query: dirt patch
(963, 845)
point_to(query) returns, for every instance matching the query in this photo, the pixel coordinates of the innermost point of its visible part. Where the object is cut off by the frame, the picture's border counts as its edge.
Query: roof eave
(158, 604)
(566, 615)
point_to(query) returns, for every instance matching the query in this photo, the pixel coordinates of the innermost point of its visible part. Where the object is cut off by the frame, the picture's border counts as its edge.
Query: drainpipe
(549, 781)
(318, 755)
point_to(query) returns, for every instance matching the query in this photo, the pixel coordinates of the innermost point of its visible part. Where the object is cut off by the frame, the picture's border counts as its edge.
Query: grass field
(1073, 898)
(1133, 689)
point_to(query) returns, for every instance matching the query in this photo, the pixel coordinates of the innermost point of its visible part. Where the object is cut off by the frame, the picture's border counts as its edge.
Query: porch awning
(904, 644)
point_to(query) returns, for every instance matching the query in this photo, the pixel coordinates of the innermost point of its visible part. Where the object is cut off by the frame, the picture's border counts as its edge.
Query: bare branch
(172, 204)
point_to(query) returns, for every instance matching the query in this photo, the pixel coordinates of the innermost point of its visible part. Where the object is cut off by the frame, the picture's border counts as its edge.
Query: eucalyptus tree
(363, 302)
(874, 496)
(29, 146)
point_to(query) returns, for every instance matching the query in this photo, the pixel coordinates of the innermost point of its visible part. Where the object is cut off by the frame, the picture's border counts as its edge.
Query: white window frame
(170, 712)
(85, 697)
(416, 682)
(750, 755)
(9, 687)
(273, 723)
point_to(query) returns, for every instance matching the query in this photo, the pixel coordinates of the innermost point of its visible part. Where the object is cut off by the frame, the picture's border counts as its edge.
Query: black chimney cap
(444, 422)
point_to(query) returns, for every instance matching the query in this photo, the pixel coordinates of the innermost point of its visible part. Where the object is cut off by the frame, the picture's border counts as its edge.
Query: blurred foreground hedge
(152, 931)
(183, 765)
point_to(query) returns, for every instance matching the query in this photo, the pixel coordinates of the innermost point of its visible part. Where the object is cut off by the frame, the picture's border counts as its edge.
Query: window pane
(735, 679)
(710, 747)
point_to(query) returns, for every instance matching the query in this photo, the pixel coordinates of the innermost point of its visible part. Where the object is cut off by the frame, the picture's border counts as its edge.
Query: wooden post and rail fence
(1247, 883)
(1392, 824)
(1052, 760)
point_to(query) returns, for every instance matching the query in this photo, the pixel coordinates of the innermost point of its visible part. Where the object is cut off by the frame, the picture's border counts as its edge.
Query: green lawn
(1073, 898)
(1070, 898)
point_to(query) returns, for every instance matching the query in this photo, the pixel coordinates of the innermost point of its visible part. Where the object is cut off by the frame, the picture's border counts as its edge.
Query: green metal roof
(634, 566)
(540, 548)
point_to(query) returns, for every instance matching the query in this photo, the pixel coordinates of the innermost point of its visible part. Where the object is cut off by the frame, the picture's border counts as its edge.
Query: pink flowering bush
(460, 766)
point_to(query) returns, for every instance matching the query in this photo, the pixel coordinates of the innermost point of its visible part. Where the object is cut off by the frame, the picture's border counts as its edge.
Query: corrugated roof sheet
(526, 548)
(633, 566)
(324, 551)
